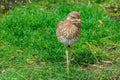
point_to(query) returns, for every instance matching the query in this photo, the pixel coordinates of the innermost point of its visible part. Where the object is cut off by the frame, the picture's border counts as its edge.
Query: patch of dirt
(6, 5)
(113, 11)
(103, 64)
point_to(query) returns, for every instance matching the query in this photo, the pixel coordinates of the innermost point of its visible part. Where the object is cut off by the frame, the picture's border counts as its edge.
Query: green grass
(29, 49)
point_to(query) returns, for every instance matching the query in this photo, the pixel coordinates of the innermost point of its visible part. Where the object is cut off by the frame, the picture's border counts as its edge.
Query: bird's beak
(79, 20)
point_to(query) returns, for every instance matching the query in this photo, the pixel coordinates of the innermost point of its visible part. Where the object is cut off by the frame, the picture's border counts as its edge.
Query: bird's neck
(76, 24)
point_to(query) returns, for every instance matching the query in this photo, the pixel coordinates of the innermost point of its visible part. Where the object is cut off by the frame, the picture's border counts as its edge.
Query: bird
(68, 32)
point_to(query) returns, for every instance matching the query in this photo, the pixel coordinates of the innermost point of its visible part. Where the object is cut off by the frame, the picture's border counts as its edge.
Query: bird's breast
(67, 33)
(66, 41)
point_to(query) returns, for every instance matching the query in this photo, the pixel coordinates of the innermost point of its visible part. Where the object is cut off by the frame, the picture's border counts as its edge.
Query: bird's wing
(60, 23)
(67, 29)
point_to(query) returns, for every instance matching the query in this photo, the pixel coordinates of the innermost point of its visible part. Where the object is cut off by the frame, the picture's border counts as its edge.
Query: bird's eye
(73, 16)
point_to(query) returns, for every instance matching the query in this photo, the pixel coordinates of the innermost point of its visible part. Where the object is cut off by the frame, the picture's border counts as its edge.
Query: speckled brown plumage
(68, 31)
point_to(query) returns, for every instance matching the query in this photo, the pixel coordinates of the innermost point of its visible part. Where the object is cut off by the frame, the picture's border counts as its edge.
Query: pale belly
(67, 41)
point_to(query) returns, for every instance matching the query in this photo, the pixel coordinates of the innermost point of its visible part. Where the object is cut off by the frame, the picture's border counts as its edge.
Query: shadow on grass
(84, 58)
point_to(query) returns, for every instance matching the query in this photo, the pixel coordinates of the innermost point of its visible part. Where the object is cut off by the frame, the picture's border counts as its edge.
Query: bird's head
(74, 17)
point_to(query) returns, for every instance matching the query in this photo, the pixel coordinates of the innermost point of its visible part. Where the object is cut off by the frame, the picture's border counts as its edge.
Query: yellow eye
(73, 16)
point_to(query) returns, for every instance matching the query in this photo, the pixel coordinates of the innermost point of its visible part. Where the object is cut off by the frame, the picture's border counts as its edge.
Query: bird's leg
(67, 59)
(70, 48)
(71, 51)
